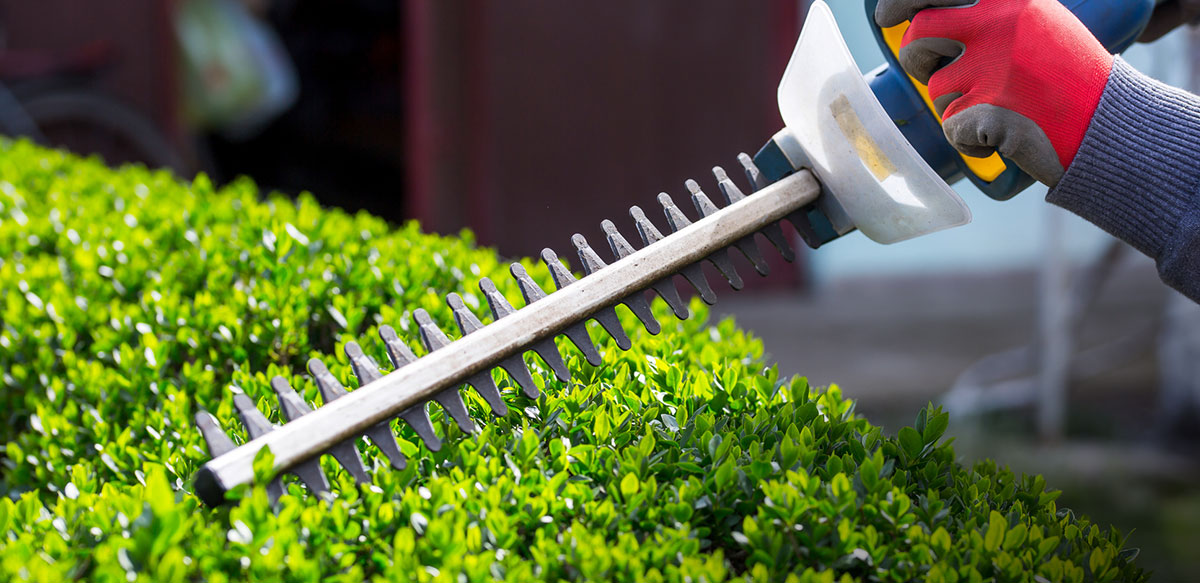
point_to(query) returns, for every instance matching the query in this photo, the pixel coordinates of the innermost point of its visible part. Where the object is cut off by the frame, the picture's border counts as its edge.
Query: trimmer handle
(1116, 23)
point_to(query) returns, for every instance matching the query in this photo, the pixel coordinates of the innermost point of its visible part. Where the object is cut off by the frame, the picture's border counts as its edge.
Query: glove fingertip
(886, 16)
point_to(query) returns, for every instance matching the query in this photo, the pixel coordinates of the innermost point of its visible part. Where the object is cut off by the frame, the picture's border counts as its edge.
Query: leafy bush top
(131, 299)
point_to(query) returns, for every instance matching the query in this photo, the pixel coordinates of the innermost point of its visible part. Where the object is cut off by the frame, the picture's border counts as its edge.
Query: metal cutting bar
(379, 401)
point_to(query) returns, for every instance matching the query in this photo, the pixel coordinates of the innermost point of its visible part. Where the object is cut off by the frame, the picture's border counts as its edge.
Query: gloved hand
(1022, 77)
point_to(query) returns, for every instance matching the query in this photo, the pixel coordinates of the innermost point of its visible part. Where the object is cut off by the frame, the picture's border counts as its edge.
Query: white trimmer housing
(839, 129)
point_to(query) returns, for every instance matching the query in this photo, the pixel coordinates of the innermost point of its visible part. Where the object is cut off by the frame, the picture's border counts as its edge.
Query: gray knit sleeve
(1136, 174)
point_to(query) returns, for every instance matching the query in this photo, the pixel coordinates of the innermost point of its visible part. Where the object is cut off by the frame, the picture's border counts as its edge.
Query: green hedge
(131, 299)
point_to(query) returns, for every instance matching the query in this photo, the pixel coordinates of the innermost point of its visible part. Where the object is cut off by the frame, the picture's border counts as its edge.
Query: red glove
(1022, 77)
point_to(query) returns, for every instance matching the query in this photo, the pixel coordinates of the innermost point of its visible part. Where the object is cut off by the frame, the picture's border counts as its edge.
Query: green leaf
(1047, 545)
(840, 485)
(911, 442)
(936, 425)
(681, 512)
(263, 465)
(1015, 537)
(714, 444)
(159, 494)
(789, 452)
(996, 531)
(869, 474)
(6, 508)
(725, 473)
(601, 425)
(940, 541)
(1071, 532)
(629, 485)
(1098, 561)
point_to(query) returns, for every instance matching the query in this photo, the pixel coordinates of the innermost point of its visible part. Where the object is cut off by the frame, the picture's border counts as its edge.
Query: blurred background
(1055, 347)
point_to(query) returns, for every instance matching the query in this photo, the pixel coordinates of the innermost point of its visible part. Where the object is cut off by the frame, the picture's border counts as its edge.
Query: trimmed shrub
(131, 300)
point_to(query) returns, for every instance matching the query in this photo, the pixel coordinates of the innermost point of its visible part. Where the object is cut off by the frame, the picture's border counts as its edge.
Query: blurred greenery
(132, 300)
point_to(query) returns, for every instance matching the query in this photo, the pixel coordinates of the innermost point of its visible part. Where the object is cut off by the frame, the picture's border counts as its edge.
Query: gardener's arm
(1136, 173)
(1026, 79)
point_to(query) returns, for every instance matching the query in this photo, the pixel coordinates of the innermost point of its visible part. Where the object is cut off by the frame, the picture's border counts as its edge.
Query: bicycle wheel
(89, 122)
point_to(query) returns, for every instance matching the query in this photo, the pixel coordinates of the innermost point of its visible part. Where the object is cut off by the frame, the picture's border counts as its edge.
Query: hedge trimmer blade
(336, 427)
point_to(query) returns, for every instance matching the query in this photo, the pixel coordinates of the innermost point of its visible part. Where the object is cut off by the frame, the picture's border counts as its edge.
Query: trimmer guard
(879, 180)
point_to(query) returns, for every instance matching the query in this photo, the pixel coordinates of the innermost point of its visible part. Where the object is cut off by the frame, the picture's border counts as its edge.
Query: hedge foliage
(131, 299)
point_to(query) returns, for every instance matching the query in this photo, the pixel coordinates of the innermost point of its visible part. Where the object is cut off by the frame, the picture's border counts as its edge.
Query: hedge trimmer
(843, 162)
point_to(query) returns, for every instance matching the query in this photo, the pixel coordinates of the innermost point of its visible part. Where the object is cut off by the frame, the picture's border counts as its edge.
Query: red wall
(531, 120)
(140, 30)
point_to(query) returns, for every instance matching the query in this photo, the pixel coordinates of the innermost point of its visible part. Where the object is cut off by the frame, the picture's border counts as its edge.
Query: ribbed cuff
(1137, 174)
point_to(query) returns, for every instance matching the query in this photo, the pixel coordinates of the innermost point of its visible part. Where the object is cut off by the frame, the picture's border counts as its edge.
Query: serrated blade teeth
(465, 318)
(753, 175)
(797, 218)
(367, 371)
(349, 458)
(487, 388)
(608, 316)
(365, 368)
(329, 385)
(800, 222)
(577, 333)
(530, 290)
(312, 475)
(558, 272)
(452, 403)
(431, 335)
(617, 242)
(554, 359)
(433, 338)
(255, 422)
(516, 368)
(650, 235)
(214, 437)
(700, 200)
(546, 349)
(746, 245)
(496, 301)
(635, 302)
(696, 277)
(419, 420)
(751, 252)
(289, 402)
(398, 352)
(675, 217)
(380, 434)
(729, 190)
(775, 235)
(256, 425)
(646, 229)
(469, 323)
(720, 259)
(772, 231)
(588, 258)
(664, 287)
(293, 407)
